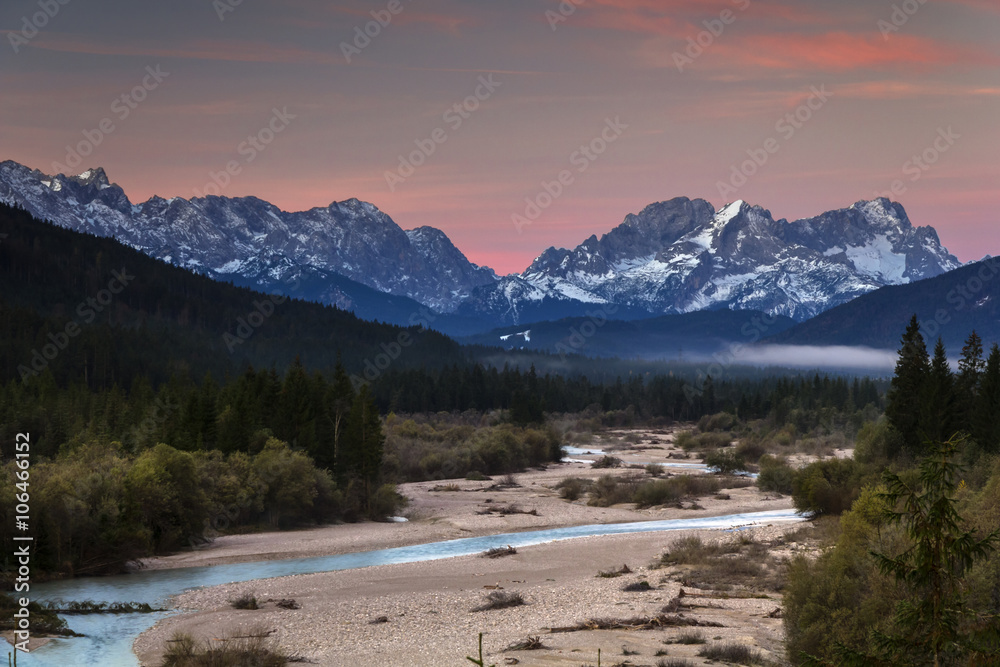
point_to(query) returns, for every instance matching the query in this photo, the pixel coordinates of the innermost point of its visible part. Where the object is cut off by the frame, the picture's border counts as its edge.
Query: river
(109, 637)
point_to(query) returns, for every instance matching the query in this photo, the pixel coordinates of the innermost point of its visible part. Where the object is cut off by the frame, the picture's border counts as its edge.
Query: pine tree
(904, 404)
(362, 449)
(933, 626)
(986, 420)
(938, 419)
(970, 370)
(337, 407)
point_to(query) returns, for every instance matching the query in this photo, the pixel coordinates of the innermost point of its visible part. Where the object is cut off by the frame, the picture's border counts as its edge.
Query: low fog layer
(813, 356)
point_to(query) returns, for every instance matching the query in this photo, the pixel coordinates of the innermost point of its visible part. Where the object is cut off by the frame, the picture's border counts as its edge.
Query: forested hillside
(90, 310)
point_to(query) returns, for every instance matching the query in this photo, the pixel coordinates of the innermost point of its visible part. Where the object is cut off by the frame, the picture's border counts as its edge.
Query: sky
(515, 125)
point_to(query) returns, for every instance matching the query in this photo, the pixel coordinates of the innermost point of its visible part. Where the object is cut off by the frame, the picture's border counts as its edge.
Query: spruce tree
(986, 420)
(362, 449)
(904, 405)
(970, 370)
(933, 626)
(939, 423)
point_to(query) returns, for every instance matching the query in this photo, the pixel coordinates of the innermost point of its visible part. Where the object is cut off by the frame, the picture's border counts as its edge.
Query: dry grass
(724, 565)
(247, 648)
(246, 601)
(638, 587)
(499, 552)
(611, 574)
(733, 653)
(500, 600)
(688, 637)
(528, 644)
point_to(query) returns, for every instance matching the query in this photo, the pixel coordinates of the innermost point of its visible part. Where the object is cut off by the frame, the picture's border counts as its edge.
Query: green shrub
(572, 488)
(827, 487)
(386, 502)
(751, 449)
(658, 492)
(877, 442)
(775, 475)
(612, 490)
(725, 462)
(721, 421)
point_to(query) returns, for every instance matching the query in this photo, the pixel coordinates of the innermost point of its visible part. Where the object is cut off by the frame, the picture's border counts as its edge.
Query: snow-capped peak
(728, 212)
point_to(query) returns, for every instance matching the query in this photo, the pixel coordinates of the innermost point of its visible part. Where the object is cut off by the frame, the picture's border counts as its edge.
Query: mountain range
(673, 257)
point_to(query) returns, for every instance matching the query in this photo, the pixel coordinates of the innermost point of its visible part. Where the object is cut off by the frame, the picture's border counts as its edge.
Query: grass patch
(611, 574)
(446, 488)
(607, 461)
(674, 662)
(251, 648)
(528, 644)
(689, 637)
(638, 587)
(286, 604)
(500, 600)
(739, 654)
(246, 601)
(724, 565)
(572, 488)
(509, 481)
(613, 490)
(499, 552)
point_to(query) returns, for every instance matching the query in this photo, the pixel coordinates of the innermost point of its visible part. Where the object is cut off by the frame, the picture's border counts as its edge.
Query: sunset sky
(893, 85)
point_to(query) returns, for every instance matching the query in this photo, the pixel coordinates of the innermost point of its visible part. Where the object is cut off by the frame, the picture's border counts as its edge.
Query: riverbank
(426, 606)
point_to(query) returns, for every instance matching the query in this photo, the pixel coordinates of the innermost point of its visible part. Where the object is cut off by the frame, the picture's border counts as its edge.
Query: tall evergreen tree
(986, 423)
(337, 406)
(934, 626)
(938, 421)
(903, 401)
(362, 449)
(970, 370)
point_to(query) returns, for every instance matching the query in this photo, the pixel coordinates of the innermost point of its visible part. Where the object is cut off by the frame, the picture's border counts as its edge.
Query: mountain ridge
(676, 256)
